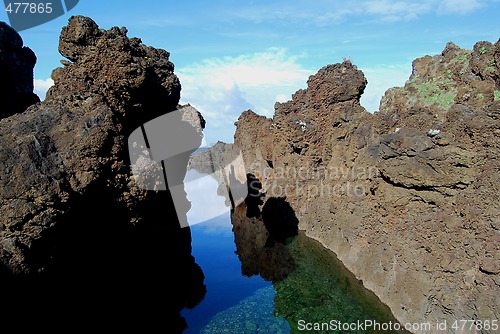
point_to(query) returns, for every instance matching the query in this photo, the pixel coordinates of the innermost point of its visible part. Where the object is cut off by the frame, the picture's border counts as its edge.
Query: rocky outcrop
(55, 151)
(16, 73)
(75, 228)
(406, 197)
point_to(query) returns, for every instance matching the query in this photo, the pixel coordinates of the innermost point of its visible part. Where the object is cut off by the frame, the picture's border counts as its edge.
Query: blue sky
(233, 55)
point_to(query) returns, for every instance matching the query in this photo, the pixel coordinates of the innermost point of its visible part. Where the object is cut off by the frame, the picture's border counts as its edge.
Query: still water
(256, 284)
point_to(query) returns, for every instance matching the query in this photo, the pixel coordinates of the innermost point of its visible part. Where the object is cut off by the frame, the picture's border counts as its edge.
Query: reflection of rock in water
(280, 219)
(225, 164)
(255, 196)
(256, 249)
(106, 271)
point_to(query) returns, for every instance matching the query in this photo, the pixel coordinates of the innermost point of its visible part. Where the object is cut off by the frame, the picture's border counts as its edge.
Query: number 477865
(475, 324)
(29, 8)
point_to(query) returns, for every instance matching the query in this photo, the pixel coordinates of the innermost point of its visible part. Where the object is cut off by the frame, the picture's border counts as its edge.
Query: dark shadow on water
(108, 273)
(260, 237)
(311, 284)
(277, 214)
(255, 196)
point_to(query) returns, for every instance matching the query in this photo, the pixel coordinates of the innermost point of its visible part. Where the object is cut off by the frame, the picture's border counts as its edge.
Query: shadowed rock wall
(16, 73)
(75, 230)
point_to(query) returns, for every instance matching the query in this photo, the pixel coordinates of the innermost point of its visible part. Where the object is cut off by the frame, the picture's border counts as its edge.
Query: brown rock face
(77, 138)
(75, 229)
(16, 73)
(128, 75)
(406, 197)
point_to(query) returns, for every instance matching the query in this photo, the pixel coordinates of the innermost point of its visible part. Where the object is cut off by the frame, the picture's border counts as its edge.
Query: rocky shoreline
(408, 197)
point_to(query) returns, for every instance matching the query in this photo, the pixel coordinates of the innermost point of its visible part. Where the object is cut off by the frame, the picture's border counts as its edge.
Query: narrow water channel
(256, 284)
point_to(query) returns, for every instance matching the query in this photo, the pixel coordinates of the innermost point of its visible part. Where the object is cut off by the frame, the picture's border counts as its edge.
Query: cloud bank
(324, 12)
(222, 88)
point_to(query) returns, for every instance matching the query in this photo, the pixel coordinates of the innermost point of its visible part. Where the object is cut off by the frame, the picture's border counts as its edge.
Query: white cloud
(327, 12)
(42, 86)
(380, 79)
(387, 10)
(332, 17)
(222, 88)
(459, 6)
(396, 10)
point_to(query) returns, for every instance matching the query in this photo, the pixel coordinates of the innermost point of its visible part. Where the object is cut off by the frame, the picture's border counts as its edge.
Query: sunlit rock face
(406, 197)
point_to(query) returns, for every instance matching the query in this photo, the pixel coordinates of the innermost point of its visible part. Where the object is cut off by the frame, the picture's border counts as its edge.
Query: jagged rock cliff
(75, 229)
(406, 197)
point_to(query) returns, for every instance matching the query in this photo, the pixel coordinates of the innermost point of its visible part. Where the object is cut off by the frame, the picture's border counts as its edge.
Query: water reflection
(214, 250)
(108, 272)
(202, 193)
(258, 251)
(262, 275)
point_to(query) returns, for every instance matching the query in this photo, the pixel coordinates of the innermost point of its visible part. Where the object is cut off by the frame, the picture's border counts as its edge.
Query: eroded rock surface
(75, 228)
(406, 197)
(77, 138)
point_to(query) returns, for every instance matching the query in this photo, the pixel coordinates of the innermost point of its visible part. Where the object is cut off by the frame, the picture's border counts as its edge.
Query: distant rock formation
(75, 228)
(408, 197)
(16, 73)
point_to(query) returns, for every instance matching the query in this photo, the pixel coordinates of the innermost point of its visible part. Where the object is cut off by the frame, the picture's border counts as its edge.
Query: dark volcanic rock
(75, 228)
(406, 197)
(129, 76)
(77, 138)
(16, 73)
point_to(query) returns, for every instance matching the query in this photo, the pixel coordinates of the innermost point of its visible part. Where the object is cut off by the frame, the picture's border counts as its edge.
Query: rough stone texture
(16, 73)
(75, 229)
(78, 136)
(406, 197)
